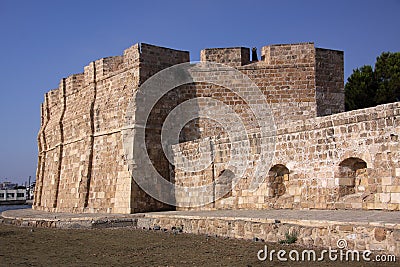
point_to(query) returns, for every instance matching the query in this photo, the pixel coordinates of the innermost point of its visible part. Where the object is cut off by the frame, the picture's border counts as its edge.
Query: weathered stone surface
(345, 170)
(81, 165)
(324, 158)
(380, 234)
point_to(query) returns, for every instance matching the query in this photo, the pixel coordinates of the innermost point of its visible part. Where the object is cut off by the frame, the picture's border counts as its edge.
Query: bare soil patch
(22, 246)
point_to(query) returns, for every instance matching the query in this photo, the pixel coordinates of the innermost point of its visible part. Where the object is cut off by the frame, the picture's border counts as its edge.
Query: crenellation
(154, 58)
(108, 66)
(89, 74)
(131, 56)
(161, 56)
(53, 98)
(74, 83)
(288, 54)
(234, 56)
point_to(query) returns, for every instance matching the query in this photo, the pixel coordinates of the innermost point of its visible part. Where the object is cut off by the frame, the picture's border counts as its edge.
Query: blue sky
(44, 41)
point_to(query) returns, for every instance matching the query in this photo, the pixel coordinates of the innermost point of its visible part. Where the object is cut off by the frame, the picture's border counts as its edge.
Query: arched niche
(277, 176)
(353, 176)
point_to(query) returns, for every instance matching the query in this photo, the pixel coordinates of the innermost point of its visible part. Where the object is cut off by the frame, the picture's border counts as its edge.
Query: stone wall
(82, 166)
(342, 161)
(376, 231)
(233, 57)
(81, 162)
(299, 81)
(376, 237)
(329, 71)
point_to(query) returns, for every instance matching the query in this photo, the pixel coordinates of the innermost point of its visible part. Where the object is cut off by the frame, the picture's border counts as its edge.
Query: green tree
(367, 87)
(387, 73)
(360, 89)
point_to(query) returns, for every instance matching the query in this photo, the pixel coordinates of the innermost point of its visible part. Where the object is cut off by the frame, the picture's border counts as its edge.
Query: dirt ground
(21, 246)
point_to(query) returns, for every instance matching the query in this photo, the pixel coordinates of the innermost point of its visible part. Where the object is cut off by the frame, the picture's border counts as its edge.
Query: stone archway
(277, 175)
(353, 176)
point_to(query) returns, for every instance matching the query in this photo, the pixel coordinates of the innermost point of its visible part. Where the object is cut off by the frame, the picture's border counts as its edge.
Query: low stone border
(310, 233)
(379, 237)
(71, 224)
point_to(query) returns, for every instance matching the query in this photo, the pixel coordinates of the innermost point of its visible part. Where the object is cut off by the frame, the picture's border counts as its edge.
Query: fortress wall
(52, 138)
(152, 60)
(317, 151)
(75, 126)
(329, 71)
(82, 165)
(102, 187)
(201, 163)
(75, 131)
(42, 146)
(287, 76)
(289, 90)
(316, 154)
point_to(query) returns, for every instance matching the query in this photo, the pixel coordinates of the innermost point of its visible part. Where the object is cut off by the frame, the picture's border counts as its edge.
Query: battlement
(155, 58)
(52, 97)
(234, 56)
(108, 65)
(280, 54)
(157, 55)
(74, 83)
(102, 68)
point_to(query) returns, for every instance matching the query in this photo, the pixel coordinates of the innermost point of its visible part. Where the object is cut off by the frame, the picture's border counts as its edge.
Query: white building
(12, 195)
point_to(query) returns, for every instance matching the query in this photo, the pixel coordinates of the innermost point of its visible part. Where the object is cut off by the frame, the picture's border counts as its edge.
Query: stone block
(393, 188)
(387, 180)
(346, 181)
(384, 197)
(395, 197)
(380, 234)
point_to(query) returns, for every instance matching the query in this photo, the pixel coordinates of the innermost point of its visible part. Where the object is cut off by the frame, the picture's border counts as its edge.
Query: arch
(352, 176)
(361, 153)
(277, 175)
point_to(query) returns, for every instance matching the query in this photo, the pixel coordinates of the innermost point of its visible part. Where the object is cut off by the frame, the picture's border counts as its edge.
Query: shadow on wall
(277, 177)
(353, 176)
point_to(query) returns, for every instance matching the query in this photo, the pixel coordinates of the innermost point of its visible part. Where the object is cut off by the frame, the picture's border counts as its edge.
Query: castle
(323, 157)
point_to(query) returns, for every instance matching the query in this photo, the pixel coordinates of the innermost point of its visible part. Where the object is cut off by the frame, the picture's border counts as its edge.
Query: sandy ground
(132, 247)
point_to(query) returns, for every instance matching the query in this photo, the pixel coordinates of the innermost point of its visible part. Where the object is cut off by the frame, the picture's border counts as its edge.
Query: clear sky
(44, 41)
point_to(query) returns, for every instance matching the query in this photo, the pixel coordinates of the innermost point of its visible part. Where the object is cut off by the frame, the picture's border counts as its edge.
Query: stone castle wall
(342, 161)
(299, 81)
(82, 166)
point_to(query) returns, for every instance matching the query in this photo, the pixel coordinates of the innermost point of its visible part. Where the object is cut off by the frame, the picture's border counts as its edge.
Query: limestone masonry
(325, 158)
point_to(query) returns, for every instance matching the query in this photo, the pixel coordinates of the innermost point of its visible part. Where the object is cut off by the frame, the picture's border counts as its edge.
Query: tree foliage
(367, 87)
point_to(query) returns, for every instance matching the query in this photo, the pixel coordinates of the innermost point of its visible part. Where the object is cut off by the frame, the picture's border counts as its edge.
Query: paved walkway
(311, 217)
